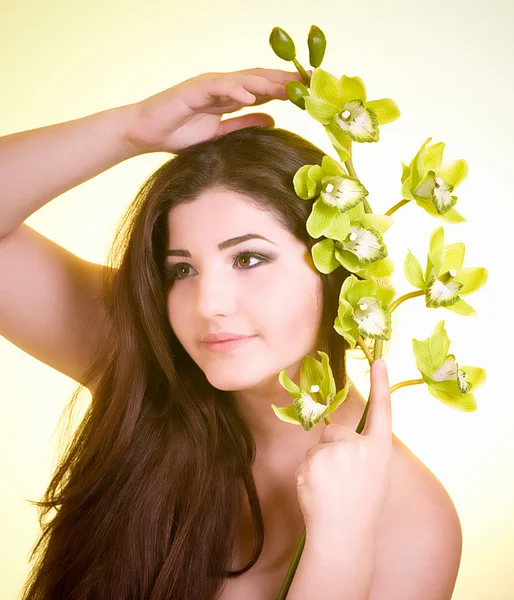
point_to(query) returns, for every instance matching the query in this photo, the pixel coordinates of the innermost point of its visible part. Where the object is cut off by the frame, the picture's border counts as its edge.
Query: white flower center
(329, 188)
(453, 272)
(353, 236)
(363, 306)
(438, 182)
(314, 388)
(345, 114)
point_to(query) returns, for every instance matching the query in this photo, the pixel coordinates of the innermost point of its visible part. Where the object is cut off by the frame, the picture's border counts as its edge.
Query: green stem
(365, 349)
(401, 299)
(303, 73)
(396, 207)
(401, 384)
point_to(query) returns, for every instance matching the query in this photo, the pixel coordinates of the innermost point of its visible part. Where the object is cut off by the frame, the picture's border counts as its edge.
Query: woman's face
(276, 298)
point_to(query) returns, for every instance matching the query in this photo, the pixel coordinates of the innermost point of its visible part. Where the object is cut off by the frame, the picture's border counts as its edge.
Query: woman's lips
(228, 345)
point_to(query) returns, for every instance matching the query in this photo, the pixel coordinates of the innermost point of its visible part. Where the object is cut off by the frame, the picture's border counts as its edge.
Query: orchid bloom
(430, 183)
(445, 280)
(364, 310)
(341, 106)
(446, 380)
(315, 398)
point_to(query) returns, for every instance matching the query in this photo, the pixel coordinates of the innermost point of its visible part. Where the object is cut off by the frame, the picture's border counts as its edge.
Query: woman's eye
(175, 272)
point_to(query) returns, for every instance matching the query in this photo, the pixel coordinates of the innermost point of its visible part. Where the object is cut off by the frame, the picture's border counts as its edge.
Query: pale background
(447, 64)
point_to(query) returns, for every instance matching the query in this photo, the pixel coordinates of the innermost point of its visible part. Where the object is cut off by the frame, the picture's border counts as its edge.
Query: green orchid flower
(338, 213)
(364, 310)
(315, 398)
(430, 183)
(341, 106)
(445, 279)
(333, 188)
(355, 241)
(446, 380)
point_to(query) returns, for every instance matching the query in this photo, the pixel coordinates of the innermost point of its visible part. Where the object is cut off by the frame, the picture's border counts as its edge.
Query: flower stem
(401, 384)
(401, 299)
(396, 207)
(303, 73)
(365, 349)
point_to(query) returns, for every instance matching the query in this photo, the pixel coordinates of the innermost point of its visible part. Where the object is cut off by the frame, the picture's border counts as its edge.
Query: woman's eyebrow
(223, 245)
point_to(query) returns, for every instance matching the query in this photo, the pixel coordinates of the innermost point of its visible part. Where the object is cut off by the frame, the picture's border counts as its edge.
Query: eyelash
(171, 271)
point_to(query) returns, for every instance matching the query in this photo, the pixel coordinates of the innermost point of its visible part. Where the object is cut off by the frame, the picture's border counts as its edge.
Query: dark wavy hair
(148, 491)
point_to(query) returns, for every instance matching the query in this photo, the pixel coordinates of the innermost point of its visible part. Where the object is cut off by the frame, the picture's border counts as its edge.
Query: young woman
(181, 482)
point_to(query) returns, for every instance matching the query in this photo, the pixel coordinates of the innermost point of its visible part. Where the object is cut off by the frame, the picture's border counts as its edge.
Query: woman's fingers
(249, 120)
(379, 417)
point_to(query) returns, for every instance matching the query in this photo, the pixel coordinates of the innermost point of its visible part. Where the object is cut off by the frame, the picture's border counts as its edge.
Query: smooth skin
(191, 111)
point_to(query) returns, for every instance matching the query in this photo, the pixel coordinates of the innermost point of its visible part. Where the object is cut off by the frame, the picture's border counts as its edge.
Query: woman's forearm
(334, 569)
(38, 165)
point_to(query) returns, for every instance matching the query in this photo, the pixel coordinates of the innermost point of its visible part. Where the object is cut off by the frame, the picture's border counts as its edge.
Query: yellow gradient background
(447, 64)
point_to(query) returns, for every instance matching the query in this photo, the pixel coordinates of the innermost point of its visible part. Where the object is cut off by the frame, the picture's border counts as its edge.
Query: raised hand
(343, 481)
(191, 111)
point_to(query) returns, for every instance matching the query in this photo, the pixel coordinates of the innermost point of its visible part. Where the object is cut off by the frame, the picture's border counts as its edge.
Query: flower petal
(319, 218)
(432, 156)
(378, 269)
(307, 182)
(447, 371)
(418, 166)
(438, 344)
(462, 308)
(386, 110)
(453, 257)
(323, 256)
(319, 110)
(359, 288)
(413, 272)
(357, 122)
(287, 414)
(352, 88)
(465, 403)
(436, 250)
(331, 167)
(311, 372)
(326, 86)
(339, 398)
(309, 411)
(328, 385)
(373, 320)
(339, 139)
(288, 384)
(380, 223)
(366, 244)
(452, 216)
(439, 294)
(475, 375)
(471, 279)
(337, 228)
(452, 173)
(423, 356)
(441, 196)
(345, 324)
(343, 192)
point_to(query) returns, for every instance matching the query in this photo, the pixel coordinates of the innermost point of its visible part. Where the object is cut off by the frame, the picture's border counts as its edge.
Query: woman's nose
(214, 295)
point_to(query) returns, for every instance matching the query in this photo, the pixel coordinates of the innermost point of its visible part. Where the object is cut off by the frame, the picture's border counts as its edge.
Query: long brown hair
(149, 490)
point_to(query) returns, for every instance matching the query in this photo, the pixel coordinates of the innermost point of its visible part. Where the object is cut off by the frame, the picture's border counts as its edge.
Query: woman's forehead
(221, 215)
